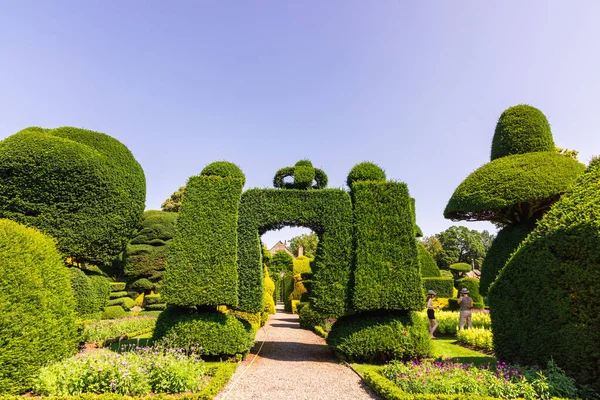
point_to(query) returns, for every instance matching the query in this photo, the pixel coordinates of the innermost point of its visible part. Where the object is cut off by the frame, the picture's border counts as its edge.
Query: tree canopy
(309, 243)
(460, 244)
(173, 203)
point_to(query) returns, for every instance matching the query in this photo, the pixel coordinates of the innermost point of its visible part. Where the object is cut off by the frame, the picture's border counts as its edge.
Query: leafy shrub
(85, 303)
(461, 267)
(304, 174)
(153, 299)
(550, 280)
(37, 318)
(146, 254)
(262, 210)
(206, 237)
(269, 304)
(117, 286)
(300, 305)
(309, 318)
(129, 373)
(442, 286)
(156, 307)
(83, 188)
(386, 272)
(269, 284)
(521, 129)
(224, 169)
(302, 265)
(295, 306)
(472, 285)
(478, 337)
(218, 334)
(427, 264)
(365, 171)
(126, 302)
(448, 320)
(505, 243)
(116, 295)
(373, 338)
(112, 312)
(96, 331)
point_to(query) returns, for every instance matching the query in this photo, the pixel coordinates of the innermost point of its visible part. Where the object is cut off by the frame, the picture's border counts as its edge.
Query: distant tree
(281, 261)
(309, 242)
(433, 246)
(460, 245)
(487, 239)
(173, 203)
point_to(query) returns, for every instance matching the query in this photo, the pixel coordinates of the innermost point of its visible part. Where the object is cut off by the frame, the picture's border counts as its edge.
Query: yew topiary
(365, 171)
(427, 264)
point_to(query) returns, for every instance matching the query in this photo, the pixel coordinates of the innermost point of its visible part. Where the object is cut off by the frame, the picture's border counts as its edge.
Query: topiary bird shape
(304, 175)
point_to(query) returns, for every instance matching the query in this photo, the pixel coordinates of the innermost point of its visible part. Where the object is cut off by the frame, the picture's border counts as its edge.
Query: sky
(414, 86)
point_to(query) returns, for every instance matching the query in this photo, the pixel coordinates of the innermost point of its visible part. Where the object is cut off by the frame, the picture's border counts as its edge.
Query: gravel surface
(294, 363)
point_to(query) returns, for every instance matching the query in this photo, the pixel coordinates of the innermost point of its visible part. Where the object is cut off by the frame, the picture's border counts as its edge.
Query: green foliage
(472, 285)
(502, 247)
(328, 212)
(441, 285)
(146, 254)
(112, 312)
(448, 321)
(173, 203)
(224, 169)
(304, 174)
(153, 299)
(521, 129)
(126, 302)
(83, 188)
(308, 317)
(548, 288)
(91, 292)
(218, 334)
(376, 338)
(156, 307)
(37, 319)
(513, 189)
(365, 171)
(116, 295)
(386, 272)
(100, 331)
(302, 265)
(427, 264)
(202, 263)
(478, 337)
(269, 293)
(460, 268)
(282, 262)
(460, 244)
(309, 243)
(117, 286)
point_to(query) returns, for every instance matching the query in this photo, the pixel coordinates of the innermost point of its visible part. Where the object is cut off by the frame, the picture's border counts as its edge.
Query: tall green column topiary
(37, 308)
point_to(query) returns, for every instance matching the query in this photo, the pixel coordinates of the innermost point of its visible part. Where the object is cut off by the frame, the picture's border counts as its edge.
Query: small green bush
(308, 317)
(126, 302)
(37, 307)
(116, 295)
(153, 299)
(373, 338)
(460, 267)
(365, 171)
(117, 286)
(442, 286)
(427, 264)
(112, 312)
(302, 265)
(141, 285)
(224, 169)
(218, 334)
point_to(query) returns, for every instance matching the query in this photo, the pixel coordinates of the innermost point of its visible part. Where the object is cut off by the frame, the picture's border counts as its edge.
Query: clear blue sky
(415, 87)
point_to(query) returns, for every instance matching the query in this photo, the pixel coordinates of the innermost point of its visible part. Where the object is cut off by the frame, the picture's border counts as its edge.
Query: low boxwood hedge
(442, 286)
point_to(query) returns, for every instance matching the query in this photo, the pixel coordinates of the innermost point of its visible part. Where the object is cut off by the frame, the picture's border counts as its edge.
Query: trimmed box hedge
(442, 286)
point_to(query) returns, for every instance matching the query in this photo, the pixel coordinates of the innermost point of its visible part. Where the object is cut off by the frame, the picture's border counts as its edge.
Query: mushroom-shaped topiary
(525, 177)
(224, 169)
(365, 171)
(304, 175)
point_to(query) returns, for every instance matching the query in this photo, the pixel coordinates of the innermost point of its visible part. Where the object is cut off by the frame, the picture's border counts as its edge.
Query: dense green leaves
(173, 203)
(327, 212)
(84, 188)
(386, 274)
(460, 244)
(513, 189)
(309, 243)
(442, 286)
(544, 303)
(303, 174)
(202, 261)
(224, 169)
(91, 292)
(37, 319)
(521, 129)
(365, 171)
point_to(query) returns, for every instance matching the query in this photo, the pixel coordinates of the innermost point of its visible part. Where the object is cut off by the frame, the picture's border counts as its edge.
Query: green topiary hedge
(544, 303)
(224, 169)
(84, 188)
(505, 243)
(521, 129)
(117, 286)
(91, 292)
(37, 307)
(113, 312)
(386, 274)
(145, 256)
(202, 264)
(472, 284)
(376, 338)
(218, 334)
(427, 265)
(441, 285)
(302, 265)
(365, 171)
(328, 212)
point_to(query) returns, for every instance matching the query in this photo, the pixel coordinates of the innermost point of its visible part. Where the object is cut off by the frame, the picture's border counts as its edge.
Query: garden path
(294, 363)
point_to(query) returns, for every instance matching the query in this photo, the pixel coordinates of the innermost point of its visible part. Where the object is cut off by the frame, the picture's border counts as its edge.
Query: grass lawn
(445, 348)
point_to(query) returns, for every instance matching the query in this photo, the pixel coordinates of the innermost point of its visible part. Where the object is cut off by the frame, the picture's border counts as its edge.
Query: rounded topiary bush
(365, 171)
(505, 243)
(544, 303)
(460, 267)
(521, 129)
(84, 188)
(37, 308)
(91, 292)
(427, 265)
(373, 338)
(218, 334)
(113, 312)
(224, 169)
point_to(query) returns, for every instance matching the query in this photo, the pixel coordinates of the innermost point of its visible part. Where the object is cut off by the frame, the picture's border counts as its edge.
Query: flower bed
(448, 320)
(113, 329)
(479, 338)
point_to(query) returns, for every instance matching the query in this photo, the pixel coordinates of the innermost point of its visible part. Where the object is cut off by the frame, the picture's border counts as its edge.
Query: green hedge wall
(328, 212)
(441, 285)
(82, 187)
(202, 263)
(513, 189)
(302, 265)
(37, 308)
(544, 303)
(506, 242)
(472, 285)
(146, 253)
(218, 334)
(521, 129)
(365, 171)
(377, 338)
(427, 265)
(386, 274)
(91, 292)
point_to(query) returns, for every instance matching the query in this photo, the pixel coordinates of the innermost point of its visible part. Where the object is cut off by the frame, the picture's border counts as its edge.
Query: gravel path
(294, 363)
